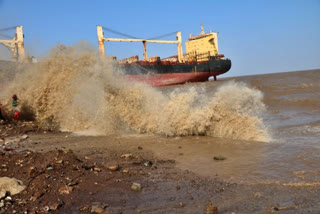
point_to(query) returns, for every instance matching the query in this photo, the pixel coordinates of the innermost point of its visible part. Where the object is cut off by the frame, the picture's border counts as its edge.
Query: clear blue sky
(260, 36)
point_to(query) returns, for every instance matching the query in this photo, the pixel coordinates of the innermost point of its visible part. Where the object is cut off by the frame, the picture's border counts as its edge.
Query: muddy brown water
(292, 119)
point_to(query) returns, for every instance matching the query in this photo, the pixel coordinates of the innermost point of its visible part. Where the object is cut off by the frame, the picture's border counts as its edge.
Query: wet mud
(62, 180)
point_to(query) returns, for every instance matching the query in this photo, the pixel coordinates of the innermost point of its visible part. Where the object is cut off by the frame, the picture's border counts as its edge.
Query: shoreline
(165, 187)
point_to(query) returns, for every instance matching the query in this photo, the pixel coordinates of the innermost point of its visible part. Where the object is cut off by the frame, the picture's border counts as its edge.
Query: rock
(85, 208)
(178, 187)
(32, 172)
(98, 207)
(1, 203)
(55, 205)
(126, 170)
(59, 162)
(211, 209)
(140, 148)
(65, 190)
(23, 137)
(181, 204)
(219, 158)
(11, 185)
(8, 198)
(96, 169)
(142, 172)
(257, 195)
(127, 156)
(69, 179)
(136, 187)
(112, 166)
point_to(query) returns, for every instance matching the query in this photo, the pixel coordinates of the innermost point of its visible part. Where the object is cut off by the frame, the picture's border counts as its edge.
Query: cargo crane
(101, 40)
(15, 45)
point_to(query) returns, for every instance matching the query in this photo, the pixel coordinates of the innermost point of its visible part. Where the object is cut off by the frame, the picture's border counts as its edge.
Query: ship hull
(165, 73)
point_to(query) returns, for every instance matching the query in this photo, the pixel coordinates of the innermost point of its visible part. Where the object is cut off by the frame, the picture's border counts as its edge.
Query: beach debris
(98, 207)
(211, 209)
(46, 208)
(50, 168)
(219, 158)
(11, 186)
(65, 190)
(181, 204)
(112, 166)
(140, 148)
(136, 187)
(178, 187)
(148, 163)
(7, 149)
(127, 156)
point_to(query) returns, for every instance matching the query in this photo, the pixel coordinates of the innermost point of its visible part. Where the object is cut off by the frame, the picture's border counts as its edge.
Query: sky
(259, 36)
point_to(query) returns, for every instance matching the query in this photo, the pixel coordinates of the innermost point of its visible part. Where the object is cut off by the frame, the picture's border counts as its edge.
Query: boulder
(10, 185)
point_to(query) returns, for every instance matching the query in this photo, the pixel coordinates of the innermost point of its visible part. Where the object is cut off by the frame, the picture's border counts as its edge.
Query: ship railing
(129, 59)
(203, 56)
(190, 57)
(195, 56)
(171, 59)
(154, 59)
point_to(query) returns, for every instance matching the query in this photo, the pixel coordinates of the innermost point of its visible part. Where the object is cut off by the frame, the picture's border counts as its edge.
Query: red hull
(167, 79)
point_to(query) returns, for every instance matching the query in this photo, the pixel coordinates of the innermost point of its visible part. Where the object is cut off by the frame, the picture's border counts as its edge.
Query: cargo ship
(201, 60)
